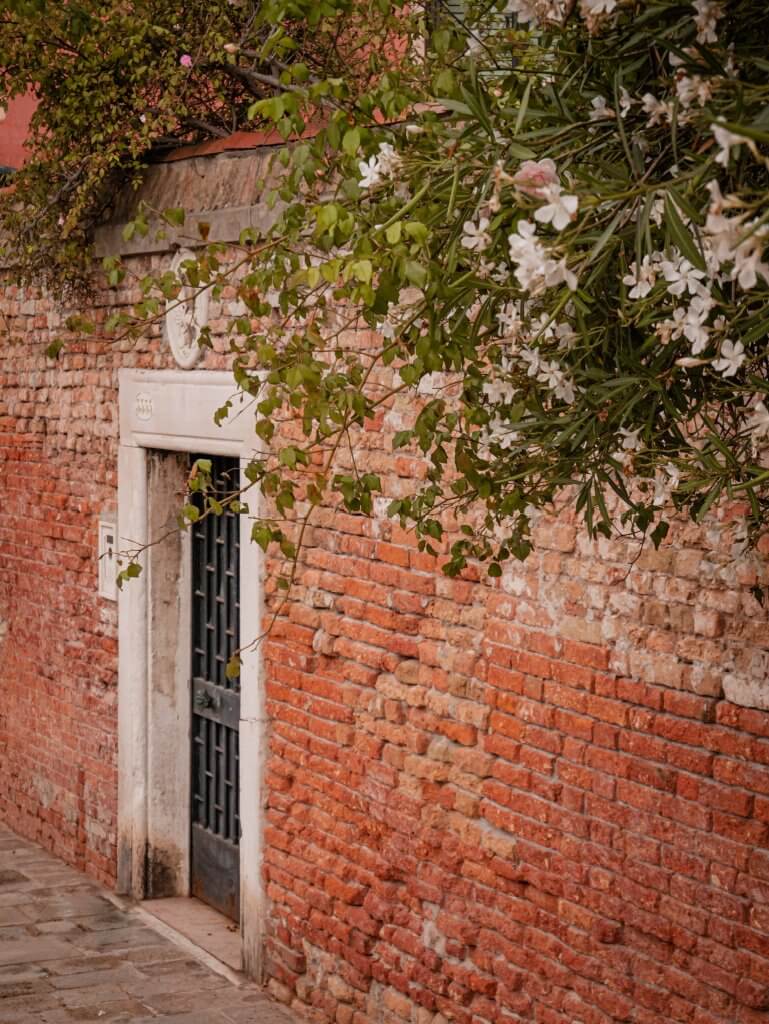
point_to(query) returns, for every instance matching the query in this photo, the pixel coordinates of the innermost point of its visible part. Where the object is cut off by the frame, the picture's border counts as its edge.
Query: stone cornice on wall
(224, 190)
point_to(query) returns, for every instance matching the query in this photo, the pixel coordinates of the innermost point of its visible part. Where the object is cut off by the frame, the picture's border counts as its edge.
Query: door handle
(205, 700)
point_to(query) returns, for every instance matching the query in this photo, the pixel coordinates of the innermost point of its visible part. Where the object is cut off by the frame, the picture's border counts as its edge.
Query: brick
(485, 801)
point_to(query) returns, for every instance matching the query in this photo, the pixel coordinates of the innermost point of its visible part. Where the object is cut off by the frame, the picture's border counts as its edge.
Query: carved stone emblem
(185, 317)
(143, 406)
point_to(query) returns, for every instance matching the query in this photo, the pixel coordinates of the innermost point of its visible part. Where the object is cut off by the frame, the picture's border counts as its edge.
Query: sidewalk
(68, 953)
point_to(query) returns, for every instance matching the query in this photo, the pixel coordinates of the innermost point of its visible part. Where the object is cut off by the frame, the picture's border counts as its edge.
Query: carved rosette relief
(185, 318)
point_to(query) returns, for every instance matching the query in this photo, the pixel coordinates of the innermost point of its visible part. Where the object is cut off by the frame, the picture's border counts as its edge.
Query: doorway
(215, 711)
(176, 709)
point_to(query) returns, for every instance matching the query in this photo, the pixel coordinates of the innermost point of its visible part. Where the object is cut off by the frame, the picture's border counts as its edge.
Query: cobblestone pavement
(68, 953)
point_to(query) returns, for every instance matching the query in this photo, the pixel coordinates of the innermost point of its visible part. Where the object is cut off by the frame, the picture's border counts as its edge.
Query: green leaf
(415, 273)
(362, 270)
(393, 232)
(174, 215)
(680, 233)
(351, 141)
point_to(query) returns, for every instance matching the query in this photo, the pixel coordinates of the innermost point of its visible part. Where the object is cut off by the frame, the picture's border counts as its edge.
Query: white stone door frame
(173, 411)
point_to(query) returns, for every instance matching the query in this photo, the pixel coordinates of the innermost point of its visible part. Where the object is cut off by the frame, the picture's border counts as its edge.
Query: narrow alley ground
(69, 953)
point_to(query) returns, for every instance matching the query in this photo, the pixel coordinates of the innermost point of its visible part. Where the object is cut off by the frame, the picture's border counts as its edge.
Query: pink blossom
(185, 60)
(534, 176)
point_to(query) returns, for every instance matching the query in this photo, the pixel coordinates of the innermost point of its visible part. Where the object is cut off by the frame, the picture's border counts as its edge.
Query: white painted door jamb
(172, 411)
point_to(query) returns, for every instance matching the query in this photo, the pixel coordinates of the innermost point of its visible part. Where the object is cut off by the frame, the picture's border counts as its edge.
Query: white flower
(642, 280)
(560, 210)
(387, 329)
(591, 11)
(694, 323)
(666, 480)
(674, 474)
(531, 357)
(389, 159)
(708, 13)
(476, 238)
(524, 243)
(536, 270)
(726, 140)
(553, 376)
(630, 439)
(600, 109)
(598, 6)
(498, 432)
(556, 272)
(499, 392)
(630, 443)
(656, 109)
(758, 424)
(657, 211)
(524, 10)
(732, 358)
(566, 336)
(625, 102)
(509, 319)
(693, 88)
(371, 172)
(681, 276)
(747, 259)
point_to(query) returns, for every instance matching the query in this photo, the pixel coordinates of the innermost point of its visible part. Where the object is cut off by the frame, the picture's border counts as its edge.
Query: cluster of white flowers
(692, 89)
(732, 248)
(535, 11)
(735, 240)
(379, 167)
(535, 269)
(548, 372)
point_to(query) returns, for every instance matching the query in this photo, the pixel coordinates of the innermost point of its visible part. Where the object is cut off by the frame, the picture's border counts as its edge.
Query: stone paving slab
(69, 955)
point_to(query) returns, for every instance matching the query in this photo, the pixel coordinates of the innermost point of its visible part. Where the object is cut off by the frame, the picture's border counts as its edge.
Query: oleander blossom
(536, 270)
(559, 210)
(758, 424)
(476, 237)
(379, 167)
(731, 359)
(708, 14)
(534, 176)
(727, 141)
(641, 279)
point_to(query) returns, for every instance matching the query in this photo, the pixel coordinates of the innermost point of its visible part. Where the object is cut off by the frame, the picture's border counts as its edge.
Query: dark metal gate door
(215, 867)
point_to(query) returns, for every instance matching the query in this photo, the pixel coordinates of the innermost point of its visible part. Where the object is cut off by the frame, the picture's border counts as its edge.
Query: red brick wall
(528, 801)
(502, 830)
(57, 640)
(525, 800)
